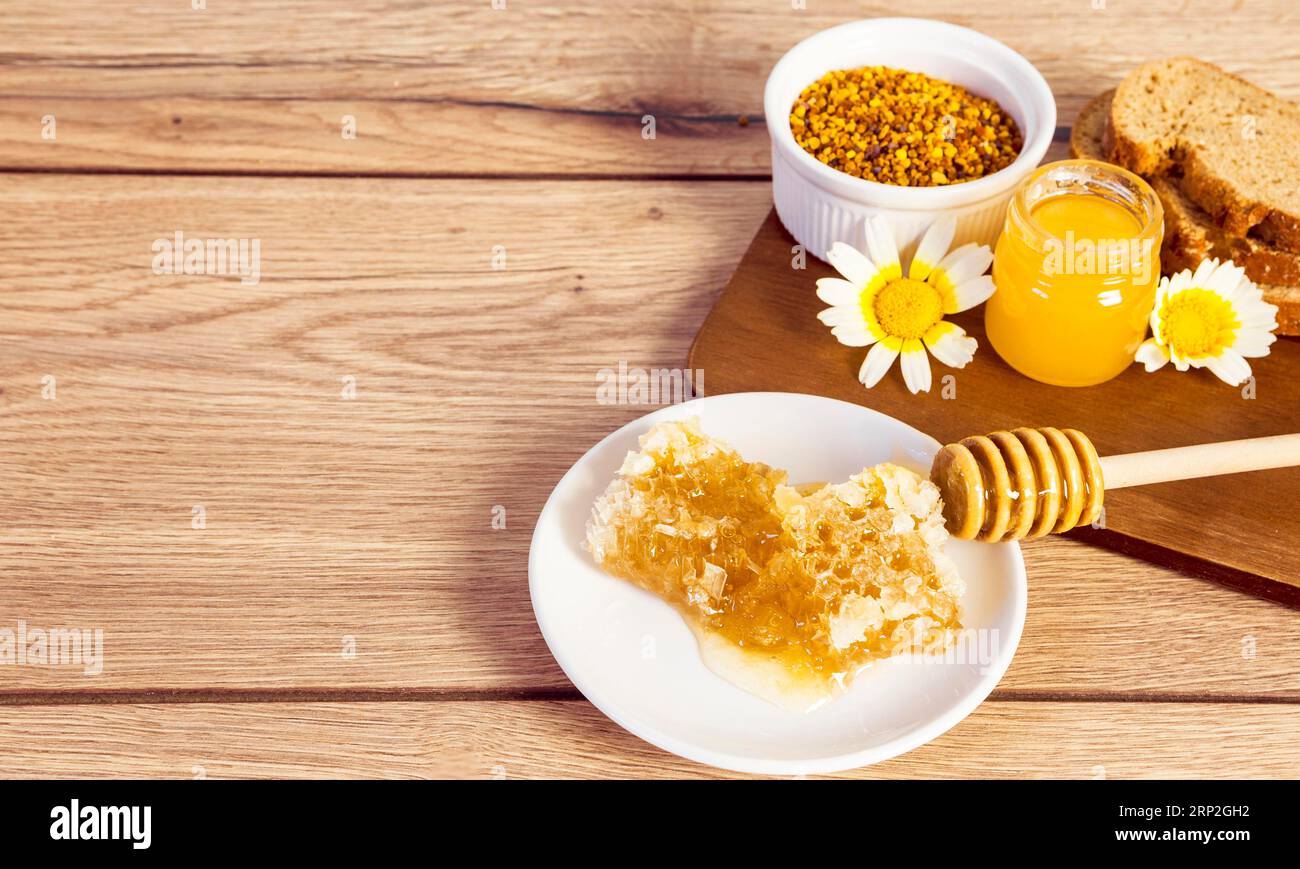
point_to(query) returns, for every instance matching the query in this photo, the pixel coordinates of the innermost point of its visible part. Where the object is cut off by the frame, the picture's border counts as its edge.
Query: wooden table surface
(276, 500)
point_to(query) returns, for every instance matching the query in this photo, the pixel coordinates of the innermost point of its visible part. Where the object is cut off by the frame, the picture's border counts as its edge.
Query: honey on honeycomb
(791, 591)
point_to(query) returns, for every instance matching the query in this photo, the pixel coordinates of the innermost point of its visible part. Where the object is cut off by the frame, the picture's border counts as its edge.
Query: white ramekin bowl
(819, 205)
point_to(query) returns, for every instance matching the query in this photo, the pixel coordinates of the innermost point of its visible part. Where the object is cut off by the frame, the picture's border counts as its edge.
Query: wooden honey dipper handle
(1035, 481)
(1202, 460)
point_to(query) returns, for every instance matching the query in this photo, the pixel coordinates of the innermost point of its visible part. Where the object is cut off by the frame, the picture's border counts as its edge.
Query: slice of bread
(1191, 235)
(1198, 235)
(1231, 144)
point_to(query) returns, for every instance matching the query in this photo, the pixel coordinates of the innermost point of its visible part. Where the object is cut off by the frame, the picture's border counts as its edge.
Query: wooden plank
(325, 518)
(557, 87)
(371, 518)
(506, 740)
(414, 138)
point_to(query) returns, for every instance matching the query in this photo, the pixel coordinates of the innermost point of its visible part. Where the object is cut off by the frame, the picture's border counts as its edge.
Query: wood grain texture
(556, 87)
(392, 137)
(371, 518)
(325, 518)
(573, 740)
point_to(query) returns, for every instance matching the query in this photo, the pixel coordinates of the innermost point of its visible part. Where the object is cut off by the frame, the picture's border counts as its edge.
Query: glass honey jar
(1076, 269)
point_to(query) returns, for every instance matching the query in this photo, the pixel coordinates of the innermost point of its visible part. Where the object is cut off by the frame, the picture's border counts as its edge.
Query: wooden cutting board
(1241, 530)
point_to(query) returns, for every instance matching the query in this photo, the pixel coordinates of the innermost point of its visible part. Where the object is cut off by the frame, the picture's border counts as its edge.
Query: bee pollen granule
(903, 128)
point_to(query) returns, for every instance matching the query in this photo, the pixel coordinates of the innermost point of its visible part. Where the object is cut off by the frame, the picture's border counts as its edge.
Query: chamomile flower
(874, 305)
(1212, 318)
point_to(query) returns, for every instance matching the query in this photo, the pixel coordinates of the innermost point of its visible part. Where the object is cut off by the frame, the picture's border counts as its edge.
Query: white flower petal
(851, 263)
(970, 293)
(950, 344)
(842, 315)
(1247, 293)
(853, 335)
(934, 245)
(1242, 291)
(1229, 367)
(1168, 283)
(1253, 342)
(1152, 355)
(1202, 273)
(1224, 279)
(837, 291)
(879, 358)
(915, 364)
(966, 262)
(881, 246)
(1257, 315)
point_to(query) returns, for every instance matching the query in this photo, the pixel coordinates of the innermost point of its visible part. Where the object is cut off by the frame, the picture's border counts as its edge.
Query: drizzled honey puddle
(790, 591)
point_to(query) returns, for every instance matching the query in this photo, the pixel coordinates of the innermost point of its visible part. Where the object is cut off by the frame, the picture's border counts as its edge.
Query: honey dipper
(1035, 481)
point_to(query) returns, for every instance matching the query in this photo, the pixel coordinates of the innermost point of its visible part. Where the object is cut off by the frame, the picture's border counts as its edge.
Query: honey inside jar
(790, 593)
(1076, 269)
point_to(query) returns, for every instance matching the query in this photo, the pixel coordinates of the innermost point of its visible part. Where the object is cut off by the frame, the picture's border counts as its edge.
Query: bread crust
(1087, 134)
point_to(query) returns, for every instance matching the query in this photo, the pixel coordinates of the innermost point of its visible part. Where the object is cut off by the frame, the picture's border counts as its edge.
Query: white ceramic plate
(633, 656)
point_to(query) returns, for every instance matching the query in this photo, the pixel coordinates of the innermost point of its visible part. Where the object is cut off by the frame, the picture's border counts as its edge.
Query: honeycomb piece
(792, 591)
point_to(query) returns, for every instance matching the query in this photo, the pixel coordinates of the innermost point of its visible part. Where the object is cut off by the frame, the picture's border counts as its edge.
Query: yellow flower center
(1198, 322)
(906, 308)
